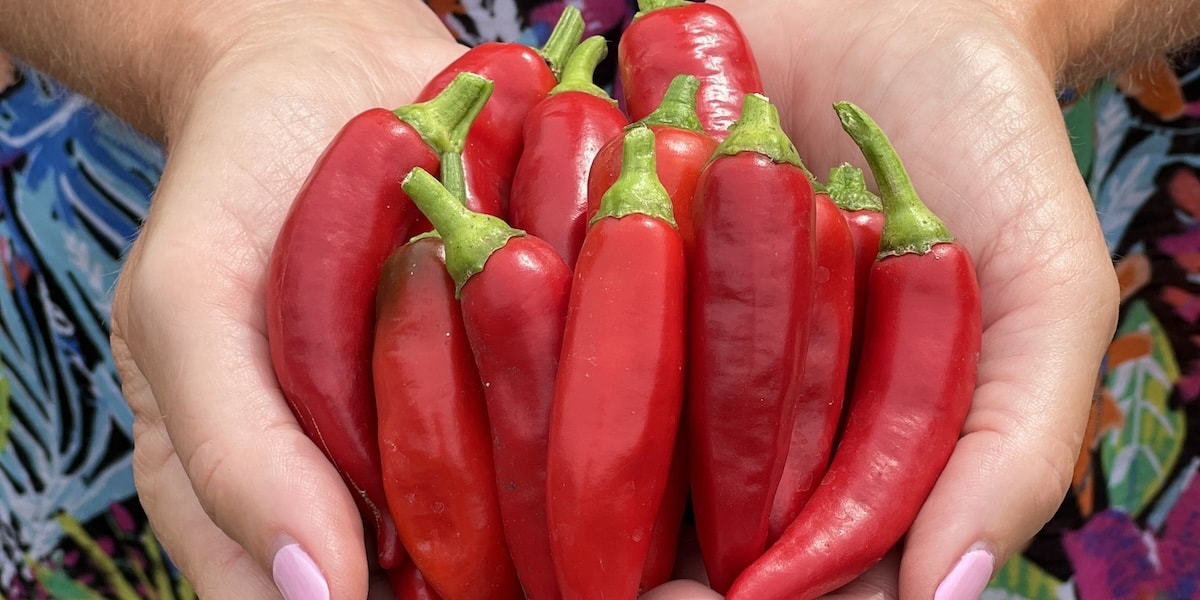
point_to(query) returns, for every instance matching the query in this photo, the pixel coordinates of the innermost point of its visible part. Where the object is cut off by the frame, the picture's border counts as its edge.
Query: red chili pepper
(911, 395)
(682, 149)
(864, 214)
(826, 365)
(324, 270)
(433, 430)
(409, 584)
(513, 290)
(620, 385)
(523, 76)
(664, 539)
(563, 133)
(751, 302)
(672, 37)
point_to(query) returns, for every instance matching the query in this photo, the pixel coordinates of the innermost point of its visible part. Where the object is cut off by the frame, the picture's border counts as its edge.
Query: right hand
(223, 470)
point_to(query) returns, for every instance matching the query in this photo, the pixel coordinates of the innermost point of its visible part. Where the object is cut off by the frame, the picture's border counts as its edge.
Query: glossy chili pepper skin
(563, 133)
(910, 398)
(863, 212)
(826, 364)
(618, 393)
(523, 76)
(682, 149)
(672, 37)
(750, 307)
(322, 278)
(513, 289)
(433, 431)
(664, 539)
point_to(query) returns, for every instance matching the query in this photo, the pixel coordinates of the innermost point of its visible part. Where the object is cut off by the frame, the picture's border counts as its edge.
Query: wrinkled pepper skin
(434, 439)
(911, 394)
(672, 37)
(618, 393)
(523, 76)
(826, 364)
(515, 311)
(914, 385)
(750, 309)
(563, 134)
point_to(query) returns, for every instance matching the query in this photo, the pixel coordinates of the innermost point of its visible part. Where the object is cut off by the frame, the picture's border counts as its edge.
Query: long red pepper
(324, 271)
(863, 212)
(523, 76)
(910, 397)
(672, 37)
(513, 290)
(563, 133)
(433, 430)
(751, 303)
(681, 147)
(620, 384)
(826, 364)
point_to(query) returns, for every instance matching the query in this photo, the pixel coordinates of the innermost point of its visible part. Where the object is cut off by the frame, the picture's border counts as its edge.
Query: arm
(246, 94)
(1080, 42)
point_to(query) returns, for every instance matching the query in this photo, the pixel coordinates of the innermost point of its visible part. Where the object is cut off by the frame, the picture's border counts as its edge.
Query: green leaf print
(5, 414)
(1137, 457)
(1020, 579)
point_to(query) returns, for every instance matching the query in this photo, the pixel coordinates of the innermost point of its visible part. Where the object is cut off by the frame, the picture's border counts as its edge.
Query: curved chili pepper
(513, 289)
(620, 384)
(751, 302)
(672, 37)
(433, 430)
(409, 584)
(563, 133)
(910, 396)
(523, 76)
(323, 274)
(826, 365)
(863, 212)
(681, 148)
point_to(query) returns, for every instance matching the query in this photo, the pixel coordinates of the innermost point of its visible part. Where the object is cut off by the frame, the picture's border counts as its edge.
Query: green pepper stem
(758, 130)
(578, 75)
(444, 120)
(454, 175)
(908, 225)
(637, 189)
(563, 40)
(645, 6)
(470, 237)
(678, 106)
(848, 189)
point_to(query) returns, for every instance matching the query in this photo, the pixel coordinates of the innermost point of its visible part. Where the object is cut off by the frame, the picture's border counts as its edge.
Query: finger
(258, 478)
(1048, 316)
(681, 589)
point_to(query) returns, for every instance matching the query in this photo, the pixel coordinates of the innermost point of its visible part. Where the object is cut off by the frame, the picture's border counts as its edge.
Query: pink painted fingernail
(297, 576)
(968, 578)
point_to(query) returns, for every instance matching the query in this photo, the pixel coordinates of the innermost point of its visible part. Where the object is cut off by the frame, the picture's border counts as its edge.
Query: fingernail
(968, 578)
(297, 576)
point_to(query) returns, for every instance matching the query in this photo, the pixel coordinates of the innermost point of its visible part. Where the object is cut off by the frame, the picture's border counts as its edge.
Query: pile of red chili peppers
(541, 330)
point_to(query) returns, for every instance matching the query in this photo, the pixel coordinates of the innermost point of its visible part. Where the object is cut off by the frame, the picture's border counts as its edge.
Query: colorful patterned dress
(75, 184)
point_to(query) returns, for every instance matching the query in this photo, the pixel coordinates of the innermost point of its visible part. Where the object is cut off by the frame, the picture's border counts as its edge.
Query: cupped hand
(226, 475)
(966, 94)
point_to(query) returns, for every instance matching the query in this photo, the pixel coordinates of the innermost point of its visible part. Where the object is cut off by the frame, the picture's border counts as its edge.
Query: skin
(965, 89)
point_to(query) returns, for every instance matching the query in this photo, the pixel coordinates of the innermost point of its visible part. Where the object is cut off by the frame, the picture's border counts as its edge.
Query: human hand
(967, 96)
(224, 472)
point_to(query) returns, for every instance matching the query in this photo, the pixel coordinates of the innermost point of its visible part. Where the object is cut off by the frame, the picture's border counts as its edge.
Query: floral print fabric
(75, 184)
